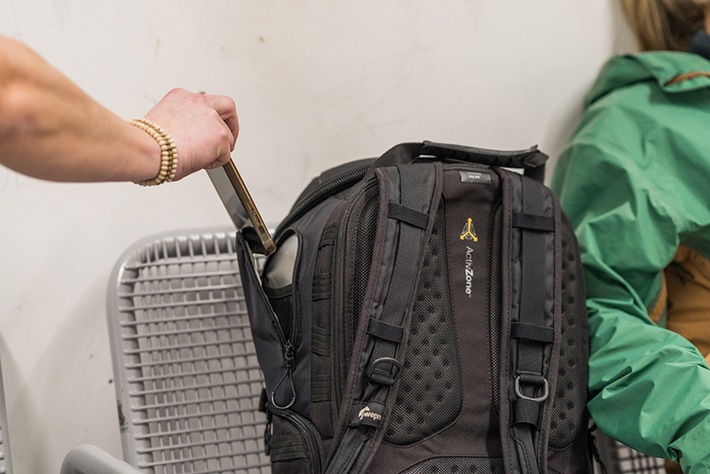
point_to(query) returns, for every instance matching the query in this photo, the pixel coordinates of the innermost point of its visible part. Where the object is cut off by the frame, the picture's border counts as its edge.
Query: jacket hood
(658, 66)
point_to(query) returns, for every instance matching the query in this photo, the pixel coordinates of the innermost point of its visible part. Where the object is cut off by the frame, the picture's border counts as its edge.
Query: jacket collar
(661, 67)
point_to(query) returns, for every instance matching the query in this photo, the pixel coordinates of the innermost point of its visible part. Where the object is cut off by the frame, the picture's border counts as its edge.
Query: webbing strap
(408, 215)
(413, 194)
(533, 332)
(533, 222)
(531, 351)
(527, 411)
(386, 331)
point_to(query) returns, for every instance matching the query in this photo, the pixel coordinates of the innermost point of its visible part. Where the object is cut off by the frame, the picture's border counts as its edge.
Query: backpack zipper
(328, 188)
(333, 186)
(286, 346)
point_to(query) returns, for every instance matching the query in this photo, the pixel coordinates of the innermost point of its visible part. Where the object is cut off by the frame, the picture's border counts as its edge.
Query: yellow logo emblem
(469, 231)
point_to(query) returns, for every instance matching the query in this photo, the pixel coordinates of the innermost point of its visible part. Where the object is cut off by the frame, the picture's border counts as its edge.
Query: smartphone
(239, 203)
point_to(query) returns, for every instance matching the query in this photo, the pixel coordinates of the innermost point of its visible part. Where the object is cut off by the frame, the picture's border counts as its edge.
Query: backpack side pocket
(274, 351)
(294, 443)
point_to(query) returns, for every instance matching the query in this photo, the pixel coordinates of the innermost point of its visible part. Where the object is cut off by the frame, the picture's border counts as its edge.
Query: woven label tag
(475, 177)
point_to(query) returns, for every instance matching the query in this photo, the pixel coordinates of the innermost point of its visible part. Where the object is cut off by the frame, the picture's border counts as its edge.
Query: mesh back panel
(367, 226)
(187, 374)
(461, 465)
(430, 395)
(496, 305)
(569, 419)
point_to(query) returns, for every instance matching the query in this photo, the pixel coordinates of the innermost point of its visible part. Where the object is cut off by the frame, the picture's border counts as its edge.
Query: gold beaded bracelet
(168, 152)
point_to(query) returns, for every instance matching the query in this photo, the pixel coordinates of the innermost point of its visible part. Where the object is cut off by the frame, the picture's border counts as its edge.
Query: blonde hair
(665, 24)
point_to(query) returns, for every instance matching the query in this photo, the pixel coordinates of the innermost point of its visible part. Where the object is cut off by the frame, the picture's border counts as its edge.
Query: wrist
(166, 148)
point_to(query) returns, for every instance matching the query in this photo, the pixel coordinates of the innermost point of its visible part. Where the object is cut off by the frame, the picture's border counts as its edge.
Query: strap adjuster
(383, 376)
(535, 380)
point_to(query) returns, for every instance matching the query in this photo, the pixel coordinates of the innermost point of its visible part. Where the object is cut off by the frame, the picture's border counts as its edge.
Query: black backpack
(423, 313)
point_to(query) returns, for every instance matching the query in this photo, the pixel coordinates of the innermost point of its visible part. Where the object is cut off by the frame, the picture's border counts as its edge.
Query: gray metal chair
(89, 459)
(188, 383)
(5, 461)
(620, 459)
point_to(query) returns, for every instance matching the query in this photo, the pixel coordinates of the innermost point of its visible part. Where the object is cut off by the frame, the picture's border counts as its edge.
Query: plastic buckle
(532, 379)
(381, 378)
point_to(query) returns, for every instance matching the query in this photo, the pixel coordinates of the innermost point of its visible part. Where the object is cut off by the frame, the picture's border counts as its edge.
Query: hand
(204, 128)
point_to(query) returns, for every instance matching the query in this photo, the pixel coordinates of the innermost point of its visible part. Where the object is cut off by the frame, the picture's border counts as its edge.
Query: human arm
(51, 129)
(649, 387)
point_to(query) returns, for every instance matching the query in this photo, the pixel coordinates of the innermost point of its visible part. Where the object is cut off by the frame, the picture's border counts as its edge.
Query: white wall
(316, 83)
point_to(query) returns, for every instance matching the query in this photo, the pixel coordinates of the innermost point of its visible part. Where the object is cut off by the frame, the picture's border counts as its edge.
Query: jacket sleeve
(649, 387)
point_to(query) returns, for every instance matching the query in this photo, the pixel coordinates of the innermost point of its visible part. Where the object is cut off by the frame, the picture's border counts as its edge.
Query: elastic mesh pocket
(458, 465)
(430, 395)
(569, 416)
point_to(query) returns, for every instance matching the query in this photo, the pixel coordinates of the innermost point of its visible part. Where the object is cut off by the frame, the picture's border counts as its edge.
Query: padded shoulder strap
(533, 325)
(409, 198)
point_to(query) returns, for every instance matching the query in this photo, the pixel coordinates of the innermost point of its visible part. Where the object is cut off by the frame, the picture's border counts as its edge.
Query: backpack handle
(531, 160)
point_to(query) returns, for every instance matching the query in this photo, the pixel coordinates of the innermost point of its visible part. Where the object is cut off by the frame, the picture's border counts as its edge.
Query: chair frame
(5, 459)
(188, 383)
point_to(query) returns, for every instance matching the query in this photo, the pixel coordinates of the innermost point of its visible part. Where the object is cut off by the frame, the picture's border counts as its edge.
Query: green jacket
(635, 182)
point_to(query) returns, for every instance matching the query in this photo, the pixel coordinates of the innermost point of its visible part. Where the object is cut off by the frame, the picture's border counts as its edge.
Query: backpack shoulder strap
(532, 326)
(409, 198)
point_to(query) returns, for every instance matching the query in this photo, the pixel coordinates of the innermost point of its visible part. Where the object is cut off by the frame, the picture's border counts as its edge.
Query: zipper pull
(289, 363)
(289, 356)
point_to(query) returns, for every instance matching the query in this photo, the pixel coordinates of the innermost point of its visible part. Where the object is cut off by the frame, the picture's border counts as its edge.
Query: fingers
(216, 164)
(227, 110)
(183, 101)
(221, 161)
(204, 127)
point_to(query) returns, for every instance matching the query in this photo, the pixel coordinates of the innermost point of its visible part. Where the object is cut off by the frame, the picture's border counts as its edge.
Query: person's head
(665, 24)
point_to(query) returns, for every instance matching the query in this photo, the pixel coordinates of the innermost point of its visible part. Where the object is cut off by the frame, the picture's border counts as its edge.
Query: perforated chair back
(5, 461)
(188, 383)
